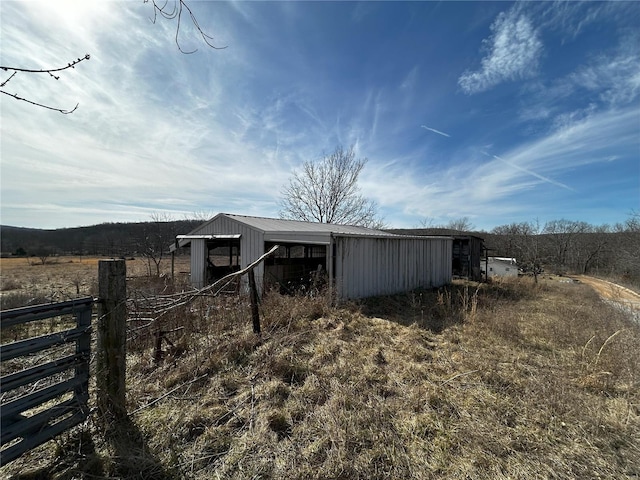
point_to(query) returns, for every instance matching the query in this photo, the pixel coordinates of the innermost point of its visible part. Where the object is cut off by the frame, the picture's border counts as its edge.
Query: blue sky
(495, 111)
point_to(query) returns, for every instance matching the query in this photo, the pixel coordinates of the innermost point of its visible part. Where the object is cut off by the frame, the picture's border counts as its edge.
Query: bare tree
(462, 224)
(43, 253)
(589, 248)
(562, 236)
(327, 191)
(199, 216)
(507, 239)
(524, 243)
(632, 224)
(426, 222)
(157, 236)
(627, 257)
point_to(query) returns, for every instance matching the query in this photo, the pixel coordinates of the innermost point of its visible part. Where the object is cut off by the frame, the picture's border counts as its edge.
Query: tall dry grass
(504, 380)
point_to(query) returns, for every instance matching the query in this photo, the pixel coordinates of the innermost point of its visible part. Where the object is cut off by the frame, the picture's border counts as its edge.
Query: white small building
(356, 262)
(500, 267)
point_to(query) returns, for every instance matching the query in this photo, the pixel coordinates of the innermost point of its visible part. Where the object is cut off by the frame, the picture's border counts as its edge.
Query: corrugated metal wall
(251, 247)
(382, 266)
(198, 262)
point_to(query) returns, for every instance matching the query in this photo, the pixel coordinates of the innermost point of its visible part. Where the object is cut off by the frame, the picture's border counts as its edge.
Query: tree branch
(163, 10)
(64, 112)
(44, 70)
(176, 13)
(50, 71)
(7, 80)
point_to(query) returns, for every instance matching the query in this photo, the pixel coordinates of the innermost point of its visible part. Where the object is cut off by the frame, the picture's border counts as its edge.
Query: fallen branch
(222, 283)
(153, 402)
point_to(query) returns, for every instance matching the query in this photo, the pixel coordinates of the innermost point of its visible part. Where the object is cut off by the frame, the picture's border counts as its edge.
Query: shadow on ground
(124, 454)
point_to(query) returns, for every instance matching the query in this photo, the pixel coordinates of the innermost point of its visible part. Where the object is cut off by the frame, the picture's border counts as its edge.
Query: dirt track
(615, 293)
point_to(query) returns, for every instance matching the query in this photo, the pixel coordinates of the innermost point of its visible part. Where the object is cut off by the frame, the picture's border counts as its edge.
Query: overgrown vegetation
(503, 380)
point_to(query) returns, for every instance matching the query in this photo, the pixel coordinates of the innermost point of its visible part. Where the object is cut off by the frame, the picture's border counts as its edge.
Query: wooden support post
(111, 341)
(157, 353)
(255, 314)
(173, 267)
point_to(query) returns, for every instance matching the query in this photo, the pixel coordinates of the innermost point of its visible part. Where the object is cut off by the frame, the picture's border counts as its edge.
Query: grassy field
(501, 380)
(25, 281)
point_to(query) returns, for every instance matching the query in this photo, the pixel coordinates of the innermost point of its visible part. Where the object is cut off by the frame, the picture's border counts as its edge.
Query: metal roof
(208, 237)
(184, 240)
(277, 225)
(280, 230)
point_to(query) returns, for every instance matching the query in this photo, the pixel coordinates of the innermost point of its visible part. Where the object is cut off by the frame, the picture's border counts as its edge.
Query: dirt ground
(610, 291)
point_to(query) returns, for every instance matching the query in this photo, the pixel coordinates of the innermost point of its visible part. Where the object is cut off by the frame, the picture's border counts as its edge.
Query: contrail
(530, 172)
(435, 131)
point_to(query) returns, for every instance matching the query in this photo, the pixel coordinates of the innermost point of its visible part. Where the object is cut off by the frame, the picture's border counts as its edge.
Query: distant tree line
(566, 246)
(146, 239)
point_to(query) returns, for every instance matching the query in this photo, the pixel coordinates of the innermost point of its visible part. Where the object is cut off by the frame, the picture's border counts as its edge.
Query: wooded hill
(113, 239)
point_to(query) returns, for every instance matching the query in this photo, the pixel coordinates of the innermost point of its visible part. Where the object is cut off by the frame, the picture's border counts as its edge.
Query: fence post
(255, 314)
(111, 341)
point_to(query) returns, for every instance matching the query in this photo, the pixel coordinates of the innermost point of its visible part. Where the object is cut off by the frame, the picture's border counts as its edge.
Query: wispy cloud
(222, 131)
(602, 82)
(435, 131)
(528, 179)
(514, 50)
(617, 78)
(571, 19)
(530, 172)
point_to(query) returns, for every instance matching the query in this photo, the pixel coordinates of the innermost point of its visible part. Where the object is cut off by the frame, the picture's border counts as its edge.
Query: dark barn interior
(223, 258)
(296, 267)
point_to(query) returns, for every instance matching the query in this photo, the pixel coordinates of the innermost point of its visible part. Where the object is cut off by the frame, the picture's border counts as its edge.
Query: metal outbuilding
(467, 250)
(356, 262)
(501, 267)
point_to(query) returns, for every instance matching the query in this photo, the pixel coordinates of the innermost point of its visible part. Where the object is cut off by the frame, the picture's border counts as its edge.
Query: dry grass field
(504, 380)
(26, 281)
